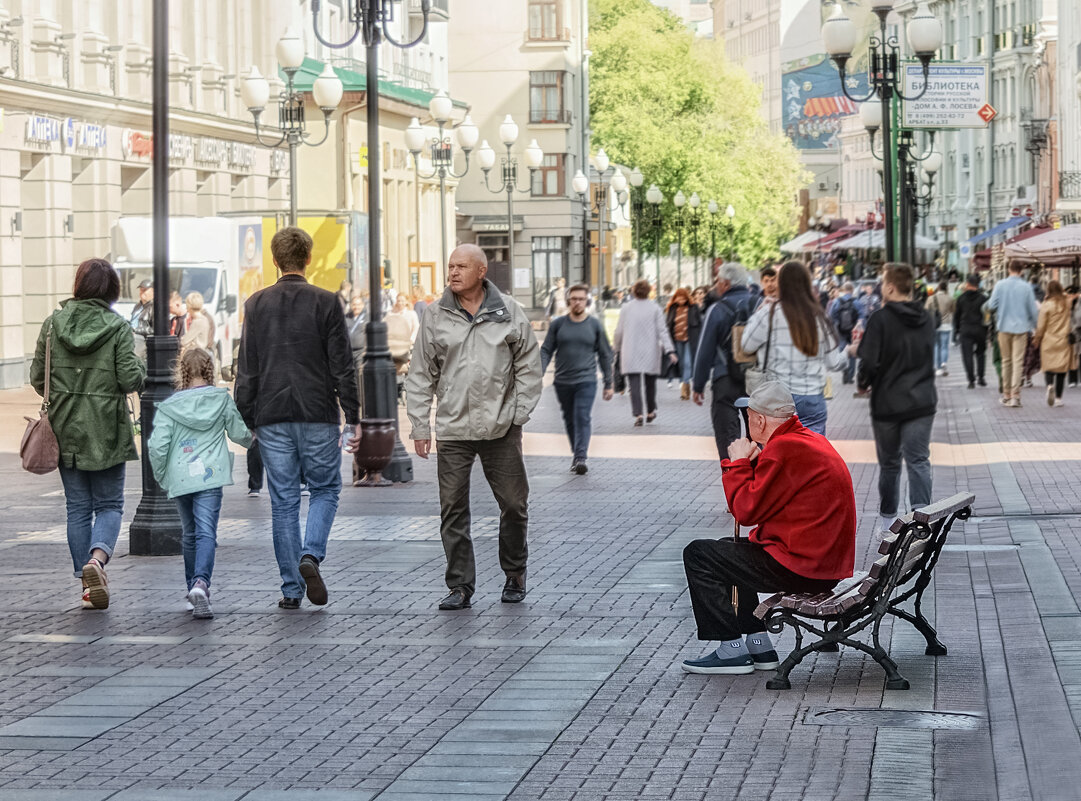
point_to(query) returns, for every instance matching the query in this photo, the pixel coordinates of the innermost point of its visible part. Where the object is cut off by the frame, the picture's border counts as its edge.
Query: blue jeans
(199, 533)
(288, 450)
(942, 348)
(95, 504)
(685, 352)
(910, 439)
(576, 402)
(811, 410)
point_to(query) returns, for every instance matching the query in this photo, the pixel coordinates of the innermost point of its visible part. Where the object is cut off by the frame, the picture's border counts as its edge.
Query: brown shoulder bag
(39, 450)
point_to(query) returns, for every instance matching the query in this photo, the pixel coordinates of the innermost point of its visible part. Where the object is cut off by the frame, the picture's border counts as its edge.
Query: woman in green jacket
(93, 368)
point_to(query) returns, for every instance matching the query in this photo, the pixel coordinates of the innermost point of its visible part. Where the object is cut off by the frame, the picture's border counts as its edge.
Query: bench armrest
(944, 508)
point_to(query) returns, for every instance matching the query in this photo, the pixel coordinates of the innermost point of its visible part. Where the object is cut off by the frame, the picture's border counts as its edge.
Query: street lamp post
(442, 155)
(155, 529)
(730, 213)
(534, 156)
(679, 201)
(694, 221)
(637, 203)
(656, 223)
(369, 19)
(327, 90)
(918, 199)
(839, 35)
(580, 184)
(713, 209)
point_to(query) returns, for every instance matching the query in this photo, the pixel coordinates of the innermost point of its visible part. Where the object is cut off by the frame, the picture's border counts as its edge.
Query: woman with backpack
(796, 343)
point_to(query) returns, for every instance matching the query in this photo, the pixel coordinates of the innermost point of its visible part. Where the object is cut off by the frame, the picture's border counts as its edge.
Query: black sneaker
(766, 661)
(289, 603)
(514, 590)
(580, 468)
(458, 599)
(317, 590)
(971, 384)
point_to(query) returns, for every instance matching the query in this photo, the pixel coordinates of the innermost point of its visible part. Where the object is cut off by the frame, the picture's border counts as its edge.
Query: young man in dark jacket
(897, 365)
(970, 331)
(295, 371)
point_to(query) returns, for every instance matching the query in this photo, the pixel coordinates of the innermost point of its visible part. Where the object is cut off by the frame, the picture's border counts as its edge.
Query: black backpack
(847, 317)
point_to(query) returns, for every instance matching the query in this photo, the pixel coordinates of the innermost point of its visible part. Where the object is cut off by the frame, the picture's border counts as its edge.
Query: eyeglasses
(577, 299)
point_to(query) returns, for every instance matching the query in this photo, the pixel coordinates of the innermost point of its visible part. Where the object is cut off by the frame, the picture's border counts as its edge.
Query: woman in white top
(402, 327)
(199, 331)
(641, 339)
(802, 345)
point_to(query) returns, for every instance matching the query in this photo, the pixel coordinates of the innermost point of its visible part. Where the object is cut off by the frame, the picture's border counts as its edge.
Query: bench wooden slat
(936, 511)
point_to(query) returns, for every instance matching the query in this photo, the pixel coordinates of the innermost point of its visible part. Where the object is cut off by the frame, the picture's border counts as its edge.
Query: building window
(546, 97)
(548, 179)
(544, 20)
(549, 258)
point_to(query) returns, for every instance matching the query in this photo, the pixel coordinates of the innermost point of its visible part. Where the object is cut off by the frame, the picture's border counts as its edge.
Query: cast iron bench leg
(934, 646)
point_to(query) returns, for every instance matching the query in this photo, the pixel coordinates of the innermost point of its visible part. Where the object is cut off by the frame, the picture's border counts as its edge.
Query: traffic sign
(1029, 212)
(1015, 211)
(956, 96)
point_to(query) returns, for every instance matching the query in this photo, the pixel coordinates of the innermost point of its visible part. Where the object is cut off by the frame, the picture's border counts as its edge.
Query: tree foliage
(674, 106)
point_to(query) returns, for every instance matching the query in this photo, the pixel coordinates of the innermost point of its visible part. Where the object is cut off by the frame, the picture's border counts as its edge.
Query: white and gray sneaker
(199, 598)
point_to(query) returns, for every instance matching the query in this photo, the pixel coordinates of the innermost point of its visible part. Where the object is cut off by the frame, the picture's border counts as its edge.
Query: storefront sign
(42, 130)
(277, 161)
(211, 151)
(180, 147)
(955, 96)
(135, 143)
(241, 155)
(85, 136)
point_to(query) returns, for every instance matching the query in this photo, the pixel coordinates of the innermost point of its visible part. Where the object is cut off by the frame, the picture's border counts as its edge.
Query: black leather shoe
(580, 468)
(513, 590)
(317, 590)
(456, 600)
(289, 603)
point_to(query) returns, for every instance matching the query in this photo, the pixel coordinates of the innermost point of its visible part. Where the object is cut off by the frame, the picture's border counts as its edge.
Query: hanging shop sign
(277, 162)
(956, 96)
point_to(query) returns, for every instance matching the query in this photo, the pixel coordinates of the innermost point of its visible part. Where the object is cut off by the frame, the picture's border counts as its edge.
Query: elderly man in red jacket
(797, 492)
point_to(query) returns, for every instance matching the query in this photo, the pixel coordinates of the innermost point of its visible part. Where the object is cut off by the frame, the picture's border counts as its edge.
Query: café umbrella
(1057, 247)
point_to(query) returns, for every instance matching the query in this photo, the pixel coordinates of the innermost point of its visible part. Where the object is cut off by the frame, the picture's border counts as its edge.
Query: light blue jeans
(199, 513)
(942, 348)
(811, 410)
(95, 504)
(289, 449)
(685, 352)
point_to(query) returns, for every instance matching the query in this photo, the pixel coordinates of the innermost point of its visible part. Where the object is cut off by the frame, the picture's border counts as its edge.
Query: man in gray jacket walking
(477, 350)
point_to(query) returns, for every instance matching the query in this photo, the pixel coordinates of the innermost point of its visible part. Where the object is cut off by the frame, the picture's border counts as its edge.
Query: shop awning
(354, 81)
(981, 259)
(876, 240)
(806, 238)
(1013, 222)
(828, 106)
(1054, 246)
(838, 236)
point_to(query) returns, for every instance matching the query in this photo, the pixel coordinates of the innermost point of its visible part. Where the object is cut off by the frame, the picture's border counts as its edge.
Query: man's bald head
(466, 269)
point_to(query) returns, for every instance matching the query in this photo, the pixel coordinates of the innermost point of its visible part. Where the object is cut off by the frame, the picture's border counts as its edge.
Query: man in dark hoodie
(713, 359)
(896, 357)
(970, 331)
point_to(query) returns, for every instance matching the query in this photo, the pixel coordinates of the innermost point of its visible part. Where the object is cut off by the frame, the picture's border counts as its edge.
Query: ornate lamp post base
(155, 530)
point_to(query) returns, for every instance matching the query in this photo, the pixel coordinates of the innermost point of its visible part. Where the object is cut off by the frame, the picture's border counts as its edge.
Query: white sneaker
(885, 522)
(1058, 402)
(939, 371)
(1015, 403)
(200, 602)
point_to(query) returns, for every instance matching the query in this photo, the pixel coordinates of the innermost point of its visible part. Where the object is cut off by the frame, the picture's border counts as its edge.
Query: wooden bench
(909, 556)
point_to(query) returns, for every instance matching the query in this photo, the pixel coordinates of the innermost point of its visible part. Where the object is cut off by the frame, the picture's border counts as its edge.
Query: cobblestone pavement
(576, 693)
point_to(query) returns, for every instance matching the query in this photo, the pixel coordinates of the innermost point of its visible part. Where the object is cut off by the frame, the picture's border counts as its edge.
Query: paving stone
(42, 726)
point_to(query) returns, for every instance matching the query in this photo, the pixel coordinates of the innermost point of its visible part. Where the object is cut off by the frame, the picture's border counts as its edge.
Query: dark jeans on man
(714, 566)
(576, 403)
(910, 439)
(725, 415)
(504, 468)
(973, 356)
(635, 382)
(848, 375)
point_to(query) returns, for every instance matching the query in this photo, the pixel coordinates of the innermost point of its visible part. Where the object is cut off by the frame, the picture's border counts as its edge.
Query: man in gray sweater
(578, 342)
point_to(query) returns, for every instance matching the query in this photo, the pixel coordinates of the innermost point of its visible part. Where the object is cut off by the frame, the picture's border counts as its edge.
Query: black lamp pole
(369, 18)
(155, 529)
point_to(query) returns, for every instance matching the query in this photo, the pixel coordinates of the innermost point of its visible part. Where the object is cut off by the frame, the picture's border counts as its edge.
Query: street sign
(956, 96)
(1015, 211)
(1029, 212)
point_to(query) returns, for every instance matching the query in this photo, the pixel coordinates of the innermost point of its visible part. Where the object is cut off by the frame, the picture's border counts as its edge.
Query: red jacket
(798, 493)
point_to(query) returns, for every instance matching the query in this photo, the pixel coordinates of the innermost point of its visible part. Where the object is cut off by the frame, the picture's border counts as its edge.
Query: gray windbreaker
(485, 372)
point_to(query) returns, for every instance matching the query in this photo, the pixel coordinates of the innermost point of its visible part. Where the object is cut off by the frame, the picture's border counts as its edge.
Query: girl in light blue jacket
(192, 462)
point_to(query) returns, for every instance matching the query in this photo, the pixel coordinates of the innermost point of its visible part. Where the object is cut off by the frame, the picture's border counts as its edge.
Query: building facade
(75, 142)
(528, 61)
(751, 31)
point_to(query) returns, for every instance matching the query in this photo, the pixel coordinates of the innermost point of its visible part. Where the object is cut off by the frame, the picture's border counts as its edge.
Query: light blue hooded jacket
(187, 448)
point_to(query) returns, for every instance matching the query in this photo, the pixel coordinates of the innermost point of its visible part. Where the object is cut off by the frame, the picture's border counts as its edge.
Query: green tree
(674, 106)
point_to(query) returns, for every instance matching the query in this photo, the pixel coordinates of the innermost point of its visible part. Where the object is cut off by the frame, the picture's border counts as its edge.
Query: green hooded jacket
(187, 448)
(94, 366)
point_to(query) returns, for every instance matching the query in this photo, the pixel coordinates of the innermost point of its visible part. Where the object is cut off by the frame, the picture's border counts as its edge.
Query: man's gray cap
(772, 399)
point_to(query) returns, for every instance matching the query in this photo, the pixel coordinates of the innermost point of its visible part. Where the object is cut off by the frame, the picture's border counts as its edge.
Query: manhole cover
(892, 718)
(984, 548)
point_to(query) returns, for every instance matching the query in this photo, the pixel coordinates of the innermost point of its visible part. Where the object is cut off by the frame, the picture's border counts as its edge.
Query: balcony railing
(561, 116)
(1069, 185)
